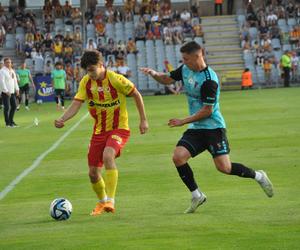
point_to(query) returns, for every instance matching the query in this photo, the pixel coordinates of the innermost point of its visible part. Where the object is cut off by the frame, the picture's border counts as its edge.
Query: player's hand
(59, 123)
(175, 123)
(144, 126)
(148, 71)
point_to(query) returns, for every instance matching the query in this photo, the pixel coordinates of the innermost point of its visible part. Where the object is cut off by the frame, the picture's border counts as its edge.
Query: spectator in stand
(69, 80)
(263, 30)
(58, 10)
(260, 58)
(91, 45)
(275, 32)
(177, 37)
(58, 48)
(122, 68)
(197, 29)
(76, 16)
(111, 48)
(297, 13)
(156, 31)
(290, 10)
(131, 46)
(2, 35)
(67, 9)
(78, 75)
(246, 79)
(272, 18)
(100, 28)
(110, 65)
(167, 32)
(149, 34)
(77, 35)
(266, 43)
(218, 7)
(48, 67)
(68, 53)
(140, 30)
(187, 29)
(100, 46)
(185, 16)
(47, 43)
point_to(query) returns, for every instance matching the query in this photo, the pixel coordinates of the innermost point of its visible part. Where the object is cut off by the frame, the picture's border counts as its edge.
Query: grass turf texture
(263, 131)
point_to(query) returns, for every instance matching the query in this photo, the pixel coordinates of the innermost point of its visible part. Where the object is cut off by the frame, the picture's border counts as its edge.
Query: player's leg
(62, 99)
(95, 162)
(19, 99)
(114, 144)
(27, 97)
(56, 98)
(218, 146)
(189, 146)
(111, 176)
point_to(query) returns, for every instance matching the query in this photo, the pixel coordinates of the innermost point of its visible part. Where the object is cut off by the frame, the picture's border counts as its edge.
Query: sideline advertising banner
(44, 91)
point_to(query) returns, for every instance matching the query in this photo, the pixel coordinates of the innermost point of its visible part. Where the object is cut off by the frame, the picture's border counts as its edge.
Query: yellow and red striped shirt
(106, 100)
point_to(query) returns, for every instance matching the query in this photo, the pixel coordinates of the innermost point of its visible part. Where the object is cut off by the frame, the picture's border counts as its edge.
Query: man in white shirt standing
(9, 89)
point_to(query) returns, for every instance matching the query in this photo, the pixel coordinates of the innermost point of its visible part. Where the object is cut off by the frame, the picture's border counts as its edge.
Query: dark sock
(242, 171)
(26, 102)
(187, 176)
(56, 99)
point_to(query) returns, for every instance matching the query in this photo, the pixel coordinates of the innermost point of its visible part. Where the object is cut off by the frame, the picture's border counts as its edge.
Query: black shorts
(24, 89)
(198, 140)
(59, 92)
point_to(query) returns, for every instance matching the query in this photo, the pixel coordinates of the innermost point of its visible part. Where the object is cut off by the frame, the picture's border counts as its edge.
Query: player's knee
(179, 159)
(93, 174)
(224, 168)
(108, 158)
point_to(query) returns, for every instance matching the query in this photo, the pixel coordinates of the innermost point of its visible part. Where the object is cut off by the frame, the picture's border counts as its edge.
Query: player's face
(95, 71)
(192, 60)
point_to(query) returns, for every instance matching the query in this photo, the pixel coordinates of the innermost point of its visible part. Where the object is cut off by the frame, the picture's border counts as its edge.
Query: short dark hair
(190, 47)
(6, 59)
(90, 57)
(58, 64)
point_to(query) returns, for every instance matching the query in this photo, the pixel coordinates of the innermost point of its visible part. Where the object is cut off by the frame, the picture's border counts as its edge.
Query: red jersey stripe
(93, 113)
(88, 89)
(116, 118)
(103, 121)
(113, 91)
(101, 92)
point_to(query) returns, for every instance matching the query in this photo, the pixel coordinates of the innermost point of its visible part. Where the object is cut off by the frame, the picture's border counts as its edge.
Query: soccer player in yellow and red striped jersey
(105, 93)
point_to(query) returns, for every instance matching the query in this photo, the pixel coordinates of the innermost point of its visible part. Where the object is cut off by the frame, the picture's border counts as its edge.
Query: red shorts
(115, 138)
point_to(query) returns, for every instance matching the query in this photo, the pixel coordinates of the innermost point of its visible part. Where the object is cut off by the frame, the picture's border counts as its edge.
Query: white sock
(103, 200)
(258, 176)
(112, 200)
(196, 193)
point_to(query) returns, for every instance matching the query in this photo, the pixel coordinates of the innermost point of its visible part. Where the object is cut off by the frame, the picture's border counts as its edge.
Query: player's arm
(141, 109)
(208, 98)
(32, 82)
(204, 112)
(68, 114)
(160, 77)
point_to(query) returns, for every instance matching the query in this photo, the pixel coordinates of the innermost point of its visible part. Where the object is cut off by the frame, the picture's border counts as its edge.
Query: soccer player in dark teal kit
(206, 126)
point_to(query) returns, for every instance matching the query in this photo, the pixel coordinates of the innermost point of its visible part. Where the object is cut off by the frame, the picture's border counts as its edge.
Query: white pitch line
(38, 160)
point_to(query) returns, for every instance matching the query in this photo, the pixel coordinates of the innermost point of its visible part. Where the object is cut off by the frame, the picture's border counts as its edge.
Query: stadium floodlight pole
(83, 6)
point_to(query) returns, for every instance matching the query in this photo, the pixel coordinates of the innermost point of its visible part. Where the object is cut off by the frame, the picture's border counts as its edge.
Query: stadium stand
(147, 34)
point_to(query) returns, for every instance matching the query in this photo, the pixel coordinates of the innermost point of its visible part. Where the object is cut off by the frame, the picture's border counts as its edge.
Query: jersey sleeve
(176, 74)
(209, 92)
(81, 92)
(121, 83)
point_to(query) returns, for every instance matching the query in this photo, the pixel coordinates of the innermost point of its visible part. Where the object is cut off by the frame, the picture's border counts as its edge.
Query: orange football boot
(99, 209)
(109, 207)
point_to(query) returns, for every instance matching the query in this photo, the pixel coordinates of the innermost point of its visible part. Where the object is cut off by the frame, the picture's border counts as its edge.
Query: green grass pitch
(263, 131)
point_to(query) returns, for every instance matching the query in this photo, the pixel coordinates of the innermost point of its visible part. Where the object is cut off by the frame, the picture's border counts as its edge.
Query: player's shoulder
(113, 75)
(85, 79)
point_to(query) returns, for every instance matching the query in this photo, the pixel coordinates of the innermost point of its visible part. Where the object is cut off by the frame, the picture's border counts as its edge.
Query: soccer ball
(60, 209)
